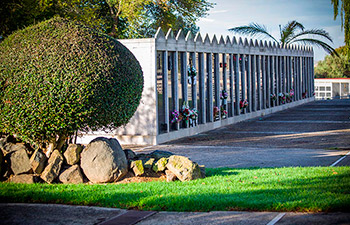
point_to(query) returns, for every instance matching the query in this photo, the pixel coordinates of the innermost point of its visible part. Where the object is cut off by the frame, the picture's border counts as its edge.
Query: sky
(272, 13)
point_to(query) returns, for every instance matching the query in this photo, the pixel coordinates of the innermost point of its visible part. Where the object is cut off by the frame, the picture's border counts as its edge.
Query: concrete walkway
(314, 134)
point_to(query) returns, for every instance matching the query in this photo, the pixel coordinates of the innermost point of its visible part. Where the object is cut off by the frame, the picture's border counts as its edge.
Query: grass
(303, 189)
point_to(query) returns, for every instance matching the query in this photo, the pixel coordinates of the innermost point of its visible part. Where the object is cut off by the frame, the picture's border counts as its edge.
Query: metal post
(202, 113)
(253, 86)
(231, 110)
(165, 90)
(264, 86)
(249, 84)
(258, 82)
(194, 82)
(243, 77)
(210, 87)
(174, 84)
(237, 70)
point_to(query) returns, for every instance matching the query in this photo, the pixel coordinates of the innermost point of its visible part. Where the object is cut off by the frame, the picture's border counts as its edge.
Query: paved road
(315, 134)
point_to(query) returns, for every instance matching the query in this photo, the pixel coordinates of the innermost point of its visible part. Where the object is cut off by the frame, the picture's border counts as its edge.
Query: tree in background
(119, 18)
(345, 20)
(18, 14)
(334, 67)
(292, 32)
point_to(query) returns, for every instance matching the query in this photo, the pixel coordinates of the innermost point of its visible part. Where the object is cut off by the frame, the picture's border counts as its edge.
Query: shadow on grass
(288, 189)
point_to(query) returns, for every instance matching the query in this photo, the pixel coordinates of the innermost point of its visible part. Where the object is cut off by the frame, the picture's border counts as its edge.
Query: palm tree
(292, 32)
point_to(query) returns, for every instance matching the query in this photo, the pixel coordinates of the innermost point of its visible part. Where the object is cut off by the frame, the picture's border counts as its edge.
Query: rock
(1, 162)
(157, 154)
(170, 176)
(103, 160)
(20, 162)
(72, 154)
(53, 168)
(160, 165)
(137, 167)
(11, 147)
(148, 163)
(183, 168)
(3, 142)
(6, 140)
(202, 169)
(129, 154)
(71, 175)
(25, 179)
(37, 161)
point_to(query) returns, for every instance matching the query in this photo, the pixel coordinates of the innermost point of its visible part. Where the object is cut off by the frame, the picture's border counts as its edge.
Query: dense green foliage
(292, 32)
(304, 189)
(120, 19)
(18, 14)
(334, 67)
(345, 21)
(59, 76)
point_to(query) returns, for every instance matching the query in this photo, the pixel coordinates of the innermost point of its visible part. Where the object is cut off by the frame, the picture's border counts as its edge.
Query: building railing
(251, 71)
(211, 77)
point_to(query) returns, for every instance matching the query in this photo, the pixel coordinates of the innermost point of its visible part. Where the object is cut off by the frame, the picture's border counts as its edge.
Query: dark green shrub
(59, 76)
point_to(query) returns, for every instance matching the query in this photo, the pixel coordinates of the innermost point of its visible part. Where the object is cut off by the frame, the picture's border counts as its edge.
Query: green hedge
(59, 76)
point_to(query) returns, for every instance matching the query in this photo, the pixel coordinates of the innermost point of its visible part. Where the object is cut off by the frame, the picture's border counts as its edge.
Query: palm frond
(289, 30)
(316, 32)
(318, 43)
(253, 29)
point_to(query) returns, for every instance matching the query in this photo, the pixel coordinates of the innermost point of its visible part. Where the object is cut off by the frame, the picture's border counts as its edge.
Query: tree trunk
(115, 17)
(55, 143)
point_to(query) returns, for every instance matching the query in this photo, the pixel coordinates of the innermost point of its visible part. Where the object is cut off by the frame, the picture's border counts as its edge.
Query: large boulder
(72, 154)
(4, 141)
(25, 179)
(53, 168)
(37, 161)
(129, 154)
(71, 175)
(103, 160)
(1, 162)
(9, 148)
(170, 176)
(160, 165)
(158, 154)
(183, 168)
(137, 167)
(20, 162)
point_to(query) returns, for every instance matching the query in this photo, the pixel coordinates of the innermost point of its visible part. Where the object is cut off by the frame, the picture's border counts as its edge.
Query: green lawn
(305, 189)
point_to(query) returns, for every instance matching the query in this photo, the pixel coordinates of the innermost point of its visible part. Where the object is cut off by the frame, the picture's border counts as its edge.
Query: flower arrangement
(186, 114)
(291, 92)
(223, 112)
(287, 96)
(216, 112)
(194, 114)
(176, 117)
(273, 97)
(192, 73)
(282, 98)
(223, 94)
(243, 104)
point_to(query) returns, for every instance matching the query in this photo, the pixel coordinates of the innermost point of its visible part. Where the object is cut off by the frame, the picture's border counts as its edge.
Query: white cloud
(206, 20)
(218, 11)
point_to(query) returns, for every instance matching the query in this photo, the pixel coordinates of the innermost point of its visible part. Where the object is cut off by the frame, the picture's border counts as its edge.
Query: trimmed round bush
(60, 76)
